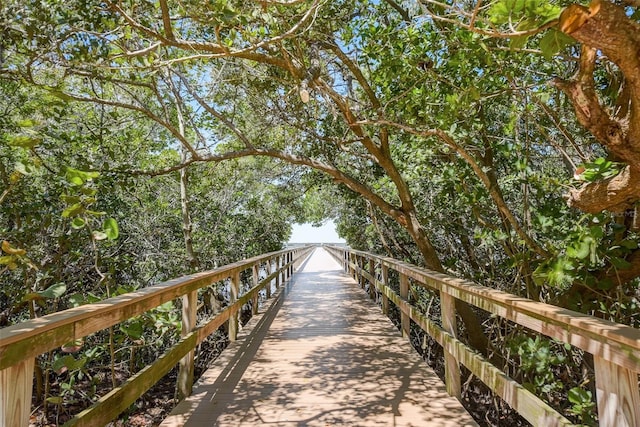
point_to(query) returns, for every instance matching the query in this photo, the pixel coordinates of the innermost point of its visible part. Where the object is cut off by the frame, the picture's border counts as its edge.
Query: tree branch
(493, 191)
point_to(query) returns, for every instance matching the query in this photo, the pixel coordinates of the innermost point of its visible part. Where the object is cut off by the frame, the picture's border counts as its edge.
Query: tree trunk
(476, 336)
(192, 257)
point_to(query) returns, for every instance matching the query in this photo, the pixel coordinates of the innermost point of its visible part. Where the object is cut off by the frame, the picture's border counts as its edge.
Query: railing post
(372, 283)
(452, 368)
(290, 268)
(385, 282)
(404, 317)
(268, 287)
(256, 280)
(617, 395)
(352, 271)
(345, 261)
(285, 264)
(285, 270)
(235, 293)
(185, 371)
(16, 384)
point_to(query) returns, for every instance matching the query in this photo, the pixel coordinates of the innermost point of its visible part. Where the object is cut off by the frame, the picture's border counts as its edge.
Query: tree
(329, 95)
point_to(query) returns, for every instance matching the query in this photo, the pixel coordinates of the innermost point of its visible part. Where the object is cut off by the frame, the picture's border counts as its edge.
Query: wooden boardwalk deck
(324, 355)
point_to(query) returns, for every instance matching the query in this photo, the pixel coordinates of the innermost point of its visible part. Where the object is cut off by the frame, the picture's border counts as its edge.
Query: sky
(306, 233)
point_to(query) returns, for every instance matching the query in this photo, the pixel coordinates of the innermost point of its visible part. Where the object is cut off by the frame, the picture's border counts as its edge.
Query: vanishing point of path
(325, 356)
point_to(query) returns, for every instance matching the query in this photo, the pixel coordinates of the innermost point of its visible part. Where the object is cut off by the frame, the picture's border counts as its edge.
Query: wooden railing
(21, 343)
(615, 347)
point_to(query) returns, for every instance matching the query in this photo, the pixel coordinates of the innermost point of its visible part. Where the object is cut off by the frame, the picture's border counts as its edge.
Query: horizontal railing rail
(20, 344)
(615, 347)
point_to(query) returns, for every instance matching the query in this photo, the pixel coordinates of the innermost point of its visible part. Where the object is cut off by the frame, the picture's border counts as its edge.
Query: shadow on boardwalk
(321, 355)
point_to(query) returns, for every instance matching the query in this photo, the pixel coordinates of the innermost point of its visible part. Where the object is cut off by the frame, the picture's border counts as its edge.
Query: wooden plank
(34, 337)
(611, 341)
(532, 408)
(185, 372)
(269, 276)
(385, 283)
(339, 363)
(372, 279)
(617, 395)
(404, 316)
(256, 282)
(120, 398)
(452, 369)
(233, 297)
(15, 394)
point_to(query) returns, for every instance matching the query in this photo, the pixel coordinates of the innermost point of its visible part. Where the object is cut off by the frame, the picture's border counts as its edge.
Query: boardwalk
(324, 357)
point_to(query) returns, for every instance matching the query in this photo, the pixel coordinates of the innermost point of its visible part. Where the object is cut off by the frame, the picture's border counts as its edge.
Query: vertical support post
(285, 271)
(617, 394)
(345, 261)
(284, 268)
(185, 371)
(268, 287)
(360, 266)
(372, 283)
(278, 281)
(385, 282)
(291, 266)
(16, 384)
(235, 292)
(451, 366)
(352, 271)
(256, 280)
(404, 317)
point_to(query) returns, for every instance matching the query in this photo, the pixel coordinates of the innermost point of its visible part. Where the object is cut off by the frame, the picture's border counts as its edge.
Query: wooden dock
(322, 354)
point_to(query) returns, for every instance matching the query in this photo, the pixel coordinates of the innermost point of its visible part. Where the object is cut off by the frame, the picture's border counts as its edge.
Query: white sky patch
(306, 233)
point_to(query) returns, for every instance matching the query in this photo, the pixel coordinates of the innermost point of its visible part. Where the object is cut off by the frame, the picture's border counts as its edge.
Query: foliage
(537, 363)
(582, 405)
(446, 134)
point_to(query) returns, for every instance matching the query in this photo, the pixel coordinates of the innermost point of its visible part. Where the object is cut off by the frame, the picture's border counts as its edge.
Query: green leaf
(133, 330)
(26, 123)
(68, 362)
(54, 291)
(577, 396)
(7, 259)
(579, 250)
(110, 228)
(24, 141)
(72, 210)
(518, 42)
(78, 223)
(619, 263)
(77, 177)
(553, 42)
(629, 244)
(55, 400)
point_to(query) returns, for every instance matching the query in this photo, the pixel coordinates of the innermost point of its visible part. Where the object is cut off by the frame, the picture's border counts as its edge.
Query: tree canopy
(495, 140)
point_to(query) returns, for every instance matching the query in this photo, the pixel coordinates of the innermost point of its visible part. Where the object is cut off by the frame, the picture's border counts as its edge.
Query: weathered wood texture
(616, 347)
(324, 356)
(15, 394)
(452, 369)
(20, 343)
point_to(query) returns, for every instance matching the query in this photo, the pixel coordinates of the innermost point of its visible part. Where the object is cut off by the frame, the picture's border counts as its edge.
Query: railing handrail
(584, 325)
(616, 347)
(111, 310)
(22, 342)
